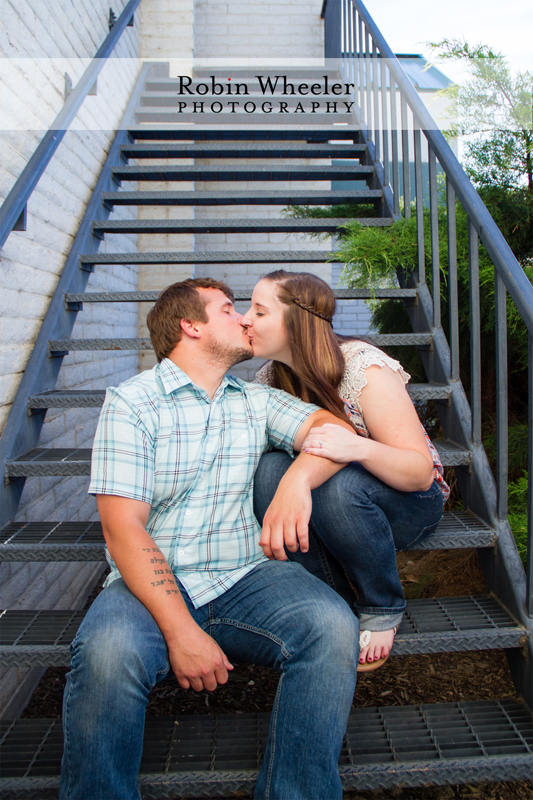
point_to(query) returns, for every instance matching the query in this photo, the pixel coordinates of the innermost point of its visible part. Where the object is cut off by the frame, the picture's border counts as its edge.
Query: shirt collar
(173, 378)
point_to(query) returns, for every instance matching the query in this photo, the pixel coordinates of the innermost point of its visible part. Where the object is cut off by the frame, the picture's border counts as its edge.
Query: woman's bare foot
(377, 649)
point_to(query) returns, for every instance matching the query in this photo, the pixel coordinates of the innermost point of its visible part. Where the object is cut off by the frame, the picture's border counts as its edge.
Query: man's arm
(195, 657)
(286, 522)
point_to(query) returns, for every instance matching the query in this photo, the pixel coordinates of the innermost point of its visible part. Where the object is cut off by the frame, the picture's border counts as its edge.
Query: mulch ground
(408, 680)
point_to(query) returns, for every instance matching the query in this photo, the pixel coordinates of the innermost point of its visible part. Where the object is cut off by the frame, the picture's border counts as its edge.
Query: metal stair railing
(387, 104)
(15, 203)
(23, 425)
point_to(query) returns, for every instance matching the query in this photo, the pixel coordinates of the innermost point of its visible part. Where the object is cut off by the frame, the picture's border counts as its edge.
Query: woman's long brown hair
(317, 360)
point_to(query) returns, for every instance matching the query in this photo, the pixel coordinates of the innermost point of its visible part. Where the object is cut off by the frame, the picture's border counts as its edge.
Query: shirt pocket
(246, 444)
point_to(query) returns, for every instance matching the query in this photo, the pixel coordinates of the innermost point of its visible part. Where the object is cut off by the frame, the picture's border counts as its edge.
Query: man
(190, 588)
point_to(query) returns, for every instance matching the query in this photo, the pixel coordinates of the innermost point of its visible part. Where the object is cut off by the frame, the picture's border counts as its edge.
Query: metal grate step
(84, 541)
(94, 398)
(45, 461)
(437, 625)
(61, 346)
(245, 294)
(219, 755)
(161, 115)
(317, 225)
(211, 257)
(239, 134)
(233, 104)
(243, 172)
(280, 197)
(244, 150)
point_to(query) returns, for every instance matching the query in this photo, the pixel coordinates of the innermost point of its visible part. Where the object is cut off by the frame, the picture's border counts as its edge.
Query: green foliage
(518, 513)
(341, 211)
(373, 257)
(518, 447)
(493, 108)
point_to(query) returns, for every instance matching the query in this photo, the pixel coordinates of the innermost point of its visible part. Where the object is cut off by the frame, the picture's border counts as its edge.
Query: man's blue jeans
(358, 525)
(278, 615)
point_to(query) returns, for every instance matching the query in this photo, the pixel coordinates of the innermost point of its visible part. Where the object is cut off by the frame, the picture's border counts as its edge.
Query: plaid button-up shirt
(161, 440)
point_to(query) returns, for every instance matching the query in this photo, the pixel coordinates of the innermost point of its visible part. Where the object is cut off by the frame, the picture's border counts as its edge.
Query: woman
(392, 491)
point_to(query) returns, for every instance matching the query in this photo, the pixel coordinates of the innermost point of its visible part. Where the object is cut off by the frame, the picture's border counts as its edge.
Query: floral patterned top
(358, 357)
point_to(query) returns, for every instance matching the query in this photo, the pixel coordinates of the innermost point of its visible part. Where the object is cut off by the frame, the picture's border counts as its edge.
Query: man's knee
(333, 631)
(107, 654)
(118, 639)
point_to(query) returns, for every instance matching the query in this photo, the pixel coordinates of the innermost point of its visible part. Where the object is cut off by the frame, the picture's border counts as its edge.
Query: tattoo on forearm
(169, 584)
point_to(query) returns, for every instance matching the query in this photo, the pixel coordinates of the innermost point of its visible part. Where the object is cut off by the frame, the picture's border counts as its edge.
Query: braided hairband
(312, 311)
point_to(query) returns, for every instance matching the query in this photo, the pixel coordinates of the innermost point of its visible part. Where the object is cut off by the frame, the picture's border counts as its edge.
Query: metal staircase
(208, 756)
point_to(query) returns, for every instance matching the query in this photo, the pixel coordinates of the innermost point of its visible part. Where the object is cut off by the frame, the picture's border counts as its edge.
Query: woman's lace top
(359, 356)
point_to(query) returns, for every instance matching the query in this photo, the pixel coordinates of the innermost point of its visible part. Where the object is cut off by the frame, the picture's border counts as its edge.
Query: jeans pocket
(433, 491)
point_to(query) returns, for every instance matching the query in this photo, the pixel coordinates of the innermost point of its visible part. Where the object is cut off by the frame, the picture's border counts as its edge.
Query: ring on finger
(320, 443)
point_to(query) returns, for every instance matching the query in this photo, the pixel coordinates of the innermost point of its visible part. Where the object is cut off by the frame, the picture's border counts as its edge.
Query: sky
(506, 26)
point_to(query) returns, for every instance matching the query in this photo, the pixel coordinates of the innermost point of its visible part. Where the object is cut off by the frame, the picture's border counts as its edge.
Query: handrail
(16, 200)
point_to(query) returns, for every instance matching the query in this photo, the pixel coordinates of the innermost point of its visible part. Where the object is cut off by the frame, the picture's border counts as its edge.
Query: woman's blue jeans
(277, 615)
(358, 525)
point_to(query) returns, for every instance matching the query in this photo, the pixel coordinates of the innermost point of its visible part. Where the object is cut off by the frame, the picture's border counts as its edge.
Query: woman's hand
(333, 442)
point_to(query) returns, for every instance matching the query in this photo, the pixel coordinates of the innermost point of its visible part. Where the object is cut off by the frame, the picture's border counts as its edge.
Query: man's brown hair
(179, 301)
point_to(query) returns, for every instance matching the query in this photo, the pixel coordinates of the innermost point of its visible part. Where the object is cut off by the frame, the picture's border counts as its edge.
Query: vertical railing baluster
(435, 249)
(375, 82)
(502, 434)
(344, 29)
(475, 334)
(351, 62)
(405, 159)
(356, 96)
(529, 545)
(361, 61)
(394, 145)
(349, 22)
(385, 119)
(419, 199)
(452, 280)
(368, 83)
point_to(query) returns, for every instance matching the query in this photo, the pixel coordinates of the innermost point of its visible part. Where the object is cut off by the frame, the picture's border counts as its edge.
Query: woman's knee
(270, 470)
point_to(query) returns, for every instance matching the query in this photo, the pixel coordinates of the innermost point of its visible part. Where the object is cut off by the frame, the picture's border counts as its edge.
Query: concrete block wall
(38, 41)
(352, 317)
(167, 28)
(247, 29)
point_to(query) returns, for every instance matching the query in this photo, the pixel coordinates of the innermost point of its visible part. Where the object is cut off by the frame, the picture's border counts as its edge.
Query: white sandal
(364, 641)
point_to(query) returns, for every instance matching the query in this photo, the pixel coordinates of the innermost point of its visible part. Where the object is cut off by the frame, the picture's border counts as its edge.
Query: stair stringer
(501, 565)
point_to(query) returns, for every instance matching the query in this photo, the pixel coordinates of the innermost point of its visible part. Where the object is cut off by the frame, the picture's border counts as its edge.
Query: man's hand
(197, 660)
(286, 522)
